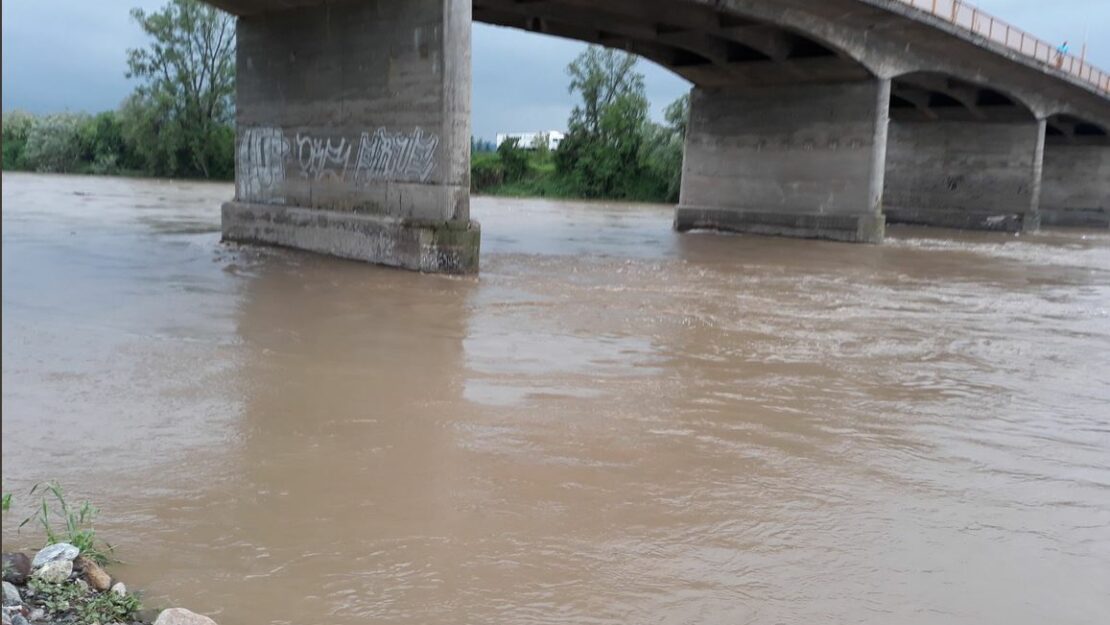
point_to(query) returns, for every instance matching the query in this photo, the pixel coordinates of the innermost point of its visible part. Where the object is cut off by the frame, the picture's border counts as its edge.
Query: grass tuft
(77, 524)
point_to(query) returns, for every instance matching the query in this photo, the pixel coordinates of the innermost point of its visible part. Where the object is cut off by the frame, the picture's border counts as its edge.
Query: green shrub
(514, 159)
(16, 129)
(485, 172)
(67, 600)
(54, 143)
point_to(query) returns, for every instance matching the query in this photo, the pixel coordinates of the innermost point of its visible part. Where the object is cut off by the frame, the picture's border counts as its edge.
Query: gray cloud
(70, 55)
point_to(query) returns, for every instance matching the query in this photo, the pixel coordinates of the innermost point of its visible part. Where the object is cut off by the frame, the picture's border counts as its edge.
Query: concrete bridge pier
(802, 160)
(354, 133)
(983, 175)
(1076, 187)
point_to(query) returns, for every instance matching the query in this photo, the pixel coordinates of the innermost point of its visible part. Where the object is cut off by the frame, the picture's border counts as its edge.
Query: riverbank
(531, 173)
(60, 586)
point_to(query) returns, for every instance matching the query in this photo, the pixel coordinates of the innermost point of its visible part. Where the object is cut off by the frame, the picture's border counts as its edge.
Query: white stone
(55, 572)
(181, 616)
(119, 589)
(54, 553)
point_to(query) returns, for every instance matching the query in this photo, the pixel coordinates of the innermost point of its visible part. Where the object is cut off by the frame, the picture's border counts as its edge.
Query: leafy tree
(661, 154)
(601, 150)
(678, 115)
(180, 119)
(602, 76)
(101, 143)
(16, 129)
(514, 159)
(54, 143)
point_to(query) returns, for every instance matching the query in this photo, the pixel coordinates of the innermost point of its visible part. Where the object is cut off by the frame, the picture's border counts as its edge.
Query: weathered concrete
(977, 175)
(796, 160)
(439, 247)
(361, 112)
(1075, 190)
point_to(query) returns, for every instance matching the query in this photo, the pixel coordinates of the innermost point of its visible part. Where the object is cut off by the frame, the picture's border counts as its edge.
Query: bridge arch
(935, 96)
(708, 44)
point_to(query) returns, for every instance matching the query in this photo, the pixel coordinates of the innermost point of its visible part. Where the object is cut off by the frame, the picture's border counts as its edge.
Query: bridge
(809, 118)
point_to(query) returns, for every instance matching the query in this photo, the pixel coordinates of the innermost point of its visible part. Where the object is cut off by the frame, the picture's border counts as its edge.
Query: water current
(614, 424)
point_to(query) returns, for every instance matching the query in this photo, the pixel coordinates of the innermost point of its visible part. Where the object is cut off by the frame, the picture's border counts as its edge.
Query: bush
(514, 159)
(102, 144)
(486, 172)
(661, 157)
(16, 129)
(54, 143)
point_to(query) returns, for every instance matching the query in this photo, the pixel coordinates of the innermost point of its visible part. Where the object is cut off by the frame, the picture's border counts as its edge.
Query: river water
(614, 423)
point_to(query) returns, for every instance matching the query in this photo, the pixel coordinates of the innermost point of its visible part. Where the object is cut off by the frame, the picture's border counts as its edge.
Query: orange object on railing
(970, 18)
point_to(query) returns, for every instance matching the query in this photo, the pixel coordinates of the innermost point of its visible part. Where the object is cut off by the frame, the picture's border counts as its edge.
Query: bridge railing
(971, 18)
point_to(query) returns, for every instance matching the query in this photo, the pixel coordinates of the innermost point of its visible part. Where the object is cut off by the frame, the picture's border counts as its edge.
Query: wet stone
(17, 567)
(97, 577)
(181, 616)
(11, 594)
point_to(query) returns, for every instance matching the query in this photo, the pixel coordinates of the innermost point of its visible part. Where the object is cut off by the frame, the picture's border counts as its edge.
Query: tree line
(179, 123)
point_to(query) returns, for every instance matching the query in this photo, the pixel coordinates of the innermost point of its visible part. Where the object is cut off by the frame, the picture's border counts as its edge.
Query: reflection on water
(613, 424)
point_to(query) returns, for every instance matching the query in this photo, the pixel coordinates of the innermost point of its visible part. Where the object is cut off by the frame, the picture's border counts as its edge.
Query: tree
(54, 143)
(514, 159)
(661, 153)
(102, 145)
(602, 76)
(601, 150)
(16, 130)
(678, 115)
(180, 119)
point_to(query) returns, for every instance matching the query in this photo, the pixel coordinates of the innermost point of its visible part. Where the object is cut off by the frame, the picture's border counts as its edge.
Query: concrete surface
(434, 247)
(1075, 190)
(977, 175)
(809, 151)
(360, 109)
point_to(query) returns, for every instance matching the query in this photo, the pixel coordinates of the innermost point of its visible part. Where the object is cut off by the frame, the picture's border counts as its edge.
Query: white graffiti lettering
(320, 159)
(262, 152)
(395, 156)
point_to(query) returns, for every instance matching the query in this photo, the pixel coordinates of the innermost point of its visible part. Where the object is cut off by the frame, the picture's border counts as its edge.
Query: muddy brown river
(614, 423)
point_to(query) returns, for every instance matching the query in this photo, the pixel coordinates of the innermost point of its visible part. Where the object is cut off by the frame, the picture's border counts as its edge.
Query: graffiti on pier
(265, 153)
(321, 159)
(395, 156)
(262, 152)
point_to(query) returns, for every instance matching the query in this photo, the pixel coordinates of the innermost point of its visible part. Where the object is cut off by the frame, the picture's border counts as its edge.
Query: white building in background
(552, 138)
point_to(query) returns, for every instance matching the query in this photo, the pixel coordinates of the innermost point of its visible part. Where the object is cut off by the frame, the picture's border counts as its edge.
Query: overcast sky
(70, 55)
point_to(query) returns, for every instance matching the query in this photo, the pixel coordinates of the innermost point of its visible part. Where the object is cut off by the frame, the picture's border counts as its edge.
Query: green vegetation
(110, 607)
(65, 599)
(77, 525)
(7, 502)
(613, 151)
(178, 123)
